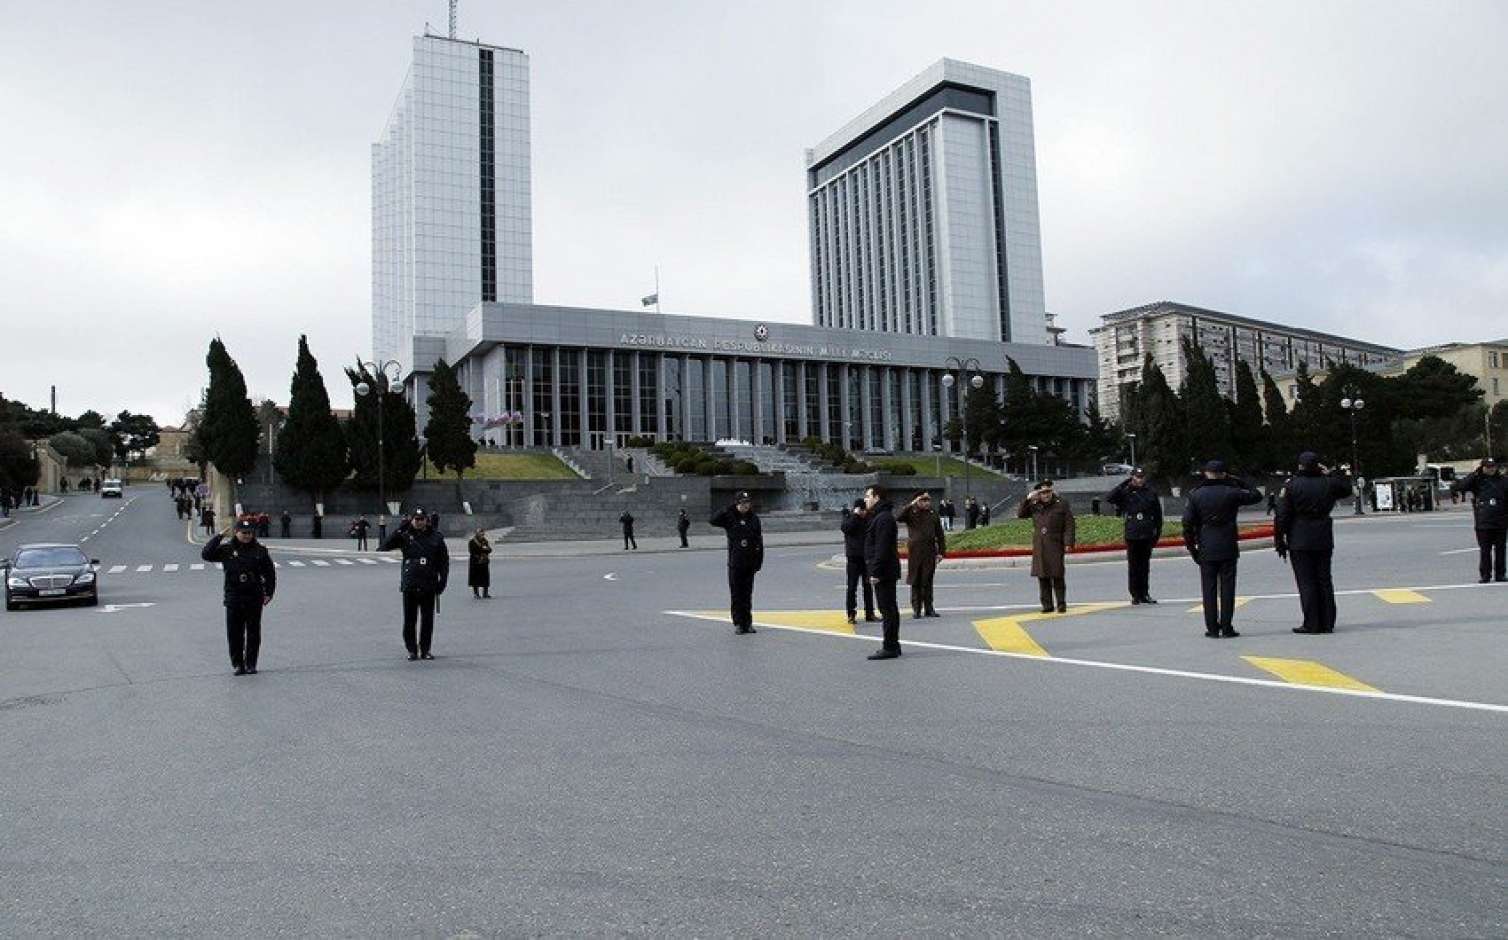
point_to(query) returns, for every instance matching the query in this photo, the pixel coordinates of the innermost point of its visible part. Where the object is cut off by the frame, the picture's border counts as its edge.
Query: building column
(907, 427)
(662, 416)
(555, 437)
(635, 418)
(824, 403)
(730, 377)
(866, 405)
(777, 375)
(709, 398)
(928, 432)
(610, 426)
(885, 433)
(685, 394)
(845, 402)
(802, 426)
(756, 397)
(585, 397)
(527, 395)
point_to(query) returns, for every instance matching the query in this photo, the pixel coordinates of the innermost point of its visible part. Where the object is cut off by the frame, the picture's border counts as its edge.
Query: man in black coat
(1141, 507)
(1489, 490)
(359, 530)
(287, 524)
(1209, 533)
(682, 526)
(745, 557)
(426, 570)
(250, 582)
(1305, 536)
(627, 521)
(882, 562)
(855, 526)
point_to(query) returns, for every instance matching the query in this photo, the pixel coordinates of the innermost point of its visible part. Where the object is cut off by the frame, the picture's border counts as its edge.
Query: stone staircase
(790, 460)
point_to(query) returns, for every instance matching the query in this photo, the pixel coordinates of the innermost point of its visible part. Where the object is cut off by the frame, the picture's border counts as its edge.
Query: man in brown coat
(925, 545)
(1053, 534)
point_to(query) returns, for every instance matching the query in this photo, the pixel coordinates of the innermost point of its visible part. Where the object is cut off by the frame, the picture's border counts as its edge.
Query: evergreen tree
(447, 434)
(981, 418)
(230, 424)
(18, 469)
(90, 419)
(1164, 451)
(104, 444)
(134, 434)
(1433, 388)
(1207, 423)
(1278, 432)
(75, 450)
(1248, 440)
(400, 442)
(311, 447)
(1496, 437)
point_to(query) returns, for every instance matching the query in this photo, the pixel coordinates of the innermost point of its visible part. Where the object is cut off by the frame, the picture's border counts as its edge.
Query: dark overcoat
(925, 543)
(1053, 534)
(478, 554)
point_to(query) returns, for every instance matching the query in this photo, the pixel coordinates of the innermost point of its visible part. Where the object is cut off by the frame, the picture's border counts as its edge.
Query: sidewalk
(44, 503)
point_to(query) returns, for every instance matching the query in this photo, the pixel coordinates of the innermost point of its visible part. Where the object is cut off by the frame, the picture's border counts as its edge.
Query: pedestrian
(947, 511)
(1489, 492)
(478, 572)
(317, 530)
(250, 581)
(1141, 508)
(426, 569)
(1209, 533)
(264, 525)
(925, 547)
(286, 524)
(984, 514)
(745, 557)
(62, 484)
(1054, 532)
(359, 530)
(1272, 501)
(970, 513)
(882, 563)
(627, 521)
(630, 463)
(1304, 536)
(855, 526)
(207, 519)
(682, 526)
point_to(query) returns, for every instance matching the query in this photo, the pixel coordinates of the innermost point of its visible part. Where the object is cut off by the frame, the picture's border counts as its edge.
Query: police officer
(745, 557)
(627, 521)
(250, 581)
(1141, 507)
(882, 562)
(1305, 537)
(1489, 489)
(426, 569)
(925, 547)
(1209, 533)
(682, 526)
(855, 525)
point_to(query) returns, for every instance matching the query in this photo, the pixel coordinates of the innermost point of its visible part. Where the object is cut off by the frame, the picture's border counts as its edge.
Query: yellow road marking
(1199, 608)
(1006, 635)
(1308, 672)
(1401, 596)
(1073, 610)
(827, 621)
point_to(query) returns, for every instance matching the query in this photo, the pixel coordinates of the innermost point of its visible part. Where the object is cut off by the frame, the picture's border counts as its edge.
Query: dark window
(544, 375)
(623, 392)
(1000, 269)
(488, 138)
(596, 390)
(649, 394)
(570, 398)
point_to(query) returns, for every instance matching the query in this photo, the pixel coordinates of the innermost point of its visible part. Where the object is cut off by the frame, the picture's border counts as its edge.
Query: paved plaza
(594, 751)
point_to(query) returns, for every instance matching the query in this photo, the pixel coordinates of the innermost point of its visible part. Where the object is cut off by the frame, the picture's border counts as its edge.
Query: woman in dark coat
(1053, 534)
(478, 575)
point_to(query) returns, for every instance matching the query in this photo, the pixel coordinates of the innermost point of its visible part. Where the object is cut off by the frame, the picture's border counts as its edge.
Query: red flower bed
(1263, 531)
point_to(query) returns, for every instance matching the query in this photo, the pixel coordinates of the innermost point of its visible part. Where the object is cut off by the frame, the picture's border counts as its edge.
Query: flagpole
(657, 288)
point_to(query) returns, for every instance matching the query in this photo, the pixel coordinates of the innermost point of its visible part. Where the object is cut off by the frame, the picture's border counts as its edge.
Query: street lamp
(976, 381)
(1351, 404)
(1033, 449)
(1132, 439)
(394, 385)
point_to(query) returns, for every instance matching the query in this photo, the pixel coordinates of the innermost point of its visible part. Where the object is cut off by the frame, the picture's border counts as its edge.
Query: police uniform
(250, 581)
(1141, 507)
(1304, 534)
(745, 558)
(1209, 533)
(426, 569)
(1489, 489)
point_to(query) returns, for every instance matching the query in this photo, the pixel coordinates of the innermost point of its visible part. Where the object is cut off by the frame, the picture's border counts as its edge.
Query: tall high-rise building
(923, 212)
(451, 223)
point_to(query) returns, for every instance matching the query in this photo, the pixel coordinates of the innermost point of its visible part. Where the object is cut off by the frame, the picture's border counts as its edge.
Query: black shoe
(1212, 634)
(852, 619)
(1135, 601)
(426, 655)
(251, 670)
(931, 613)
(1306, 630)
(240, 671)
(1148, 600)
(742, 630)
(884, 654)
(1228, 634)
(1047, 609)
(1484, 580)
(412, 656)
(916, 615)
(1500, 580)
(1062, 608)
(871, 618)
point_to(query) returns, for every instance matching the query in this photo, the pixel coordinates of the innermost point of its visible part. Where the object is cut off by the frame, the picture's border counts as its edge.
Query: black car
(50, 572)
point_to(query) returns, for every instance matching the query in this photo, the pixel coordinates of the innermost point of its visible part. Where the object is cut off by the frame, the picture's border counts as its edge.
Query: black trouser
(884, 598)
(1048, 588)
(1489, 541)
(684, 543)
(361, 543)
(922, 576)
(285, 530)
(418, 606)
(1138, 566)
(1311, 569)
(855, 578)
(243, 630)
(628, 539)
(1217, 579)
(741, 593)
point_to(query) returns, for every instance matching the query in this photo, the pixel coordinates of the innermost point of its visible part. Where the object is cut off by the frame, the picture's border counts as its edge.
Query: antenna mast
(453, 19)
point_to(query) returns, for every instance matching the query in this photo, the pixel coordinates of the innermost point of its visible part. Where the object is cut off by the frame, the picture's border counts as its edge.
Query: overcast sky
(172, 170)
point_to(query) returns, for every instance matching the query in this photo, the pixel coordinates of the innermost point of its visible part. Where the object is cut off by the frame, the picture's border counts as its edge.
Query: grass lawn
(1017, 533)
(926, 465)
(518, 467)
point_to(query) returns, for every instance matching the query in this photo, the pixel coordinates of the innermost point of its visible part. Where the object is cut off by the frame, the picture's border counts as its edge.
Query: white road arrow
(610, 576)
(112, 608)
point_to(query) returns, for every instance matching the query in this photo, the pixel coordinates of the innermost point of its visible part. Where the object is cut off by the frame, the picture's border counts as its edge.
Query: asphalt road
(595, 752)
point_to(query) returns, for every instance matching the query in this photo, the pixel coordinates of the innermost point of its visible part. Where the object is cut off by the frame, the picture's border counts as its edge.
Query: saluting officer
(426, 569)
(745, 557)
(1209, 533)
(925, 547)
(250, 581)
(1489, 490)
(854, 527)
(1305, 536)
(1141, 508)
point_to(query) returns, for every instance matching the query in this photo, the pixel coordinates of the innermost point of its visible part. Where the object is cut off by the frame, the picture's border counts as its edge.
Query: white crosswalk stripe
(169, 567)
(117, 569)
(344, 561)
(320, 562)
(391, 561)
(367, 561)
(296, 564)
(143, 567)
(198, 567)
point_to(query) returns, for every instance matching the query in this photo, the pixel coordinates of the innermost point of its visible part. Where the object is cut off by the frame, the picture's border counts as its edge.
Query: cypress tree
(447, 435)
(230, 423)
(1278, 431)
(400, 450)
(1207, 424)
(1247, 437)
(1164, 449)
(311, 447)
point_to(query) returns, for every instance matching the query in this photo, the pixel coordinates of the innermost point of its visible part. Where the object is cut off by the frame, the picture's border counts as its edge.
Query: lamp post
(977, 382)
(1351, 404)
(1033, 449)
(379, 370)
(1132, 439)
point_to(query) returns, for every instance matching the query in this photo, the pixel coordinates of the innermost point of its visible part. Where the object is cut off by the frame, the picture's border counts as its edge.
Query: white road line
(344, 561)
(169, 567)
(1460, 551)
(320, 562)
(391, 561)
(367, 561)
(1127, 667)
(143, 567)
(198, 567)
(117, 569)
(296, 564)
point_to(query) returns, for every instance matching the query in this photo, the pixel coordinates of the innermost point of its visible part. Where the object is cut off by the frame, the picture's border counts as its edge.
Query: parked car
(49, 573)
(111, 488)
(1116, 469)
